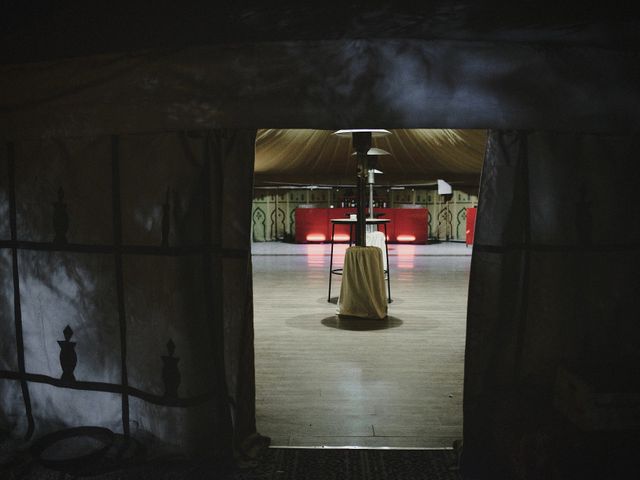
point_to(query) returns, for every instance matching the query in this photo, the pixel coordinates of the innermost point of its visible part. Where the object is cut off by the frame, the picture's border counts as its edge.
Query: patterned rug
(347, 464)
(272, 464)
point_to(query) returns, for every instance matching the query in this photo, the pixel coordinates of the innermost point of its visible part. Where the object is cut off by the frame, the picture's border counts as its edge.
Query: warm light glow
(316, 237)
(316, 255)
(406, 256)
(341, 237)
(315, 250)
(406, 238)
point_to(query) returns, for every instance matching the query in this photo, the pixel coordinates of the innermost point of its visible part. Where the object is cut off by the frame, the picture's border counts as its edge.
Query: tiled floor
(325, 381)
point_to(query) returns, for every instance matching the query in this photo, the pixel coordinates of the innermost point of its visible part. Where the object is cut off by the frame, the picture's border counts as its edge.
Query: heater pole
(362, 195)
(361, 144)
(372, 162)
(371, 200)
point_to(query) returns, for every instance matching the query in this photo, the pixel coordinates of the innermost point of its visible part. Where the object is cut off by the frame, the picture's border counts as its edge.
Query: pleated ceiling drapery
(306, 156)
(554, 287)
(125, 288)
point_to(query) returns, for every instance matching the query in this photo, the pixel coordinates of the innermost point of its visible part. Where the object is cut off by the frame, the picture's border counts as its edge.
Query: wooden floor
(321, 381)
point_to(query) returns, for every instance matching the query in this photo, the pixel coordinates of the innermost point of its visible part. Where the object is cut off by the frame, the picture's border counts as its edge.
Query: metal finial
(68, 333)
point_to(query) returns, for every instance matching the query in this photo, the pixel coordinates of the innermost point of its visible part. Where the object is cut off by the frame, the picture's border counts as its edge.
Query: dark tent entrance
(139, 241)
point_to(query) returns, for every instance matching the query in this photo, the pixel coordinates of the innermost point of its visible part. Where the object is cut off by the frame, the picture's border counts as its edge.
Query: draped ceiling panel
(417, 156)
(73, 28)
(396, 83)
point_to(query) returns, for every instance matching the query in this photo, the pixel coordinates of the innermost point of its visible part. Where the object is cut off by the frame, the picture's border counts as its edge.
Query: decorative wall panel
(446, 220)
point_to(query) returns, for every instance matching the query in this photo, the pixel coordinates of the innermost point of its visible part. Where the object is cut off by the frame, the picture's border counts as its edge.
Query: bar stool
(351, 223)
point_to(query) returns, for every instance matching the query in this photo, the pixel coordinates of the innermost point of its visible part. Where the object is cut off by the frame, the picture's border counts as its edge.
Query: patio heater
(361, 141)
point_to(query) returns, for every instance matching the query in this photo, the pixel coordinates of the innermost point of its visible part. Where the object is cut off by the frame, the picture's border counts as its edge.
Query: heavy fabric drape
(125, 288)
(396, 82)
(362, 291)
(554, 285)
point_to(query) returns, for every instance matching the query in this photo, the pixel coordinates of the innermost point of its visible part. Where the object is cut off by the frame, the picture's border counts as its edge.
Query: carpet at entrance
(272, 464)
(374, 464)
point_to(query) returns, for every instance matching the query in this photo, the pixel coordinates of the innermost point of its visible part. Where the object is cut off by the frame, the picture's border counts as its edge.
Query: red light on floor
(314, 250)
(406, 256)
(340, 237)
(406, 238)
(315, 237)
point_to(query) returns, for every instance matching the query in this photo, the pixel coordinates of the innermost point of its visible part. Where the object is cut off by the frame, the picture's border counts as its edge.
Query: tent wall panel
(9, 358)
(128, 305)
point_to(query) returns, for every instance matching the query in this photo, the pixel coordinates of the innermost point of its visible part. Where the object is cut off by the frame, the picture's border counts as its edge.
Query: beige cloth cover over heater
(362, 293)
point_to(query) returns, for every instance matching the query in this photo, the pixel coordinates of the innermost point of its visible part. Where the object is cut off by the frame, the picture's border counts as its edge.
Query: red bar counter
(407, 225)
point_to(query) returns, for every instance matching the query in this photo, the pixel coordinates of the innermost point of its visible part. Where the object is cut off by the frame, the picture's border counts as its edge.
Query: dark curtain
(554, 290)
(125, 289)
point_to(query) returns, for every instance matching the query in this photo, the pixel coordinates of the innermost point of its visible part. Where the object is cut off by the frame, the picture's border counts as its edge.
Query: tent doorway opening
(322, 381)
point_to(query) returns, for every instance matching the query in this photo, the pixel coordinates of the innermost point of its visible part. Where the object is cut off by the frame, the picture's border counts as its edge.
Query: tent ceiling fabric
(418, 156)
(326, 85)
(79, 28)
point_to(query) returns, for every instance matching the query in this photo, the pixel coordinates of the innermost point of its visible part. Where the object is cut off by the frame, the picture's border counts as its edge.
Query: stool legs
(333, 228)
(386, 247)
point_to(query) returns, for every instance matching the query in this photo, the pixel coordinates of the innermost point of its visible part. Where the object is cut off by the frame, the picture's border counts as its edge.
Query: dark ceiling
(47, 29)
